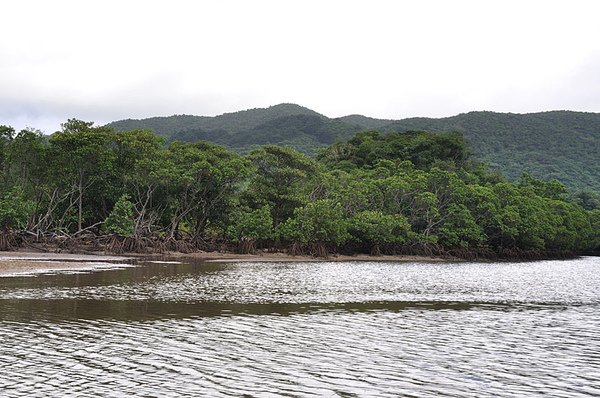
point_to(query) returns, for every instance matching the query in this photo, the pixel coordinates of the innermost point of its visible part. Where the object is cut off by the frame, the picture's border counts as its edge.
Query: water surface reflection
(300, 329)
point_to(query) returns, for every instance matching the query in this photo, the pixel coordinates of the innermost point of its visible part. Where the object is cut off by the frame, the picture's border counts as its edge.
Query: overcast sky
(109, 60)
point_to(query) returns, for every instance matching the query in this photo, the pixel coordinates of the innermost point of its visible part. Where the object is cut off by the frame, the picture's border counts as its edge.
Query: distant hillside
(563, 145)
(165, 126)
(364, 122)
(304, 132)
(233, 122)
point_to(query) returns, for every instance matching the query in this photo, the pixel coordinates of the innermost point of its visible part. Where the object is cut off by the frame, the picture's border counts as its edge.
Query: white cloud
(115, 59)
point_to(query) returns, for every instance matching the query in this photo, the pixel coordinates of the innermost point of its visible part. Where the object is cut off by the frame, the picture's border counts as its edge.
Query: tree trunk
(80, 200)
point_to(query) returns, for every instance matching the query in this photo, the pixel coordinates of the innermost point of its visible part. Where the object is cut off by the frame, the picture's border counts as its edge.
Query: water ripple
(345, 330)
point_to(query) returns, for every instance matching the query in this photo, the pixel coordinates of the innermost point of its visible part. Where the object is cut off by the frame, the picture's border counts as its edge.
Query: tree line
(414, 192)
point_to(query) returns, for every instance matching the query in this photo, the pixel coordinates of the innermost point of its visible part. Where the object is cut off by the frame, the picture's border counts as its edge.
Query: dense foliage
(413, 192)
(234, 122)
(557, 145)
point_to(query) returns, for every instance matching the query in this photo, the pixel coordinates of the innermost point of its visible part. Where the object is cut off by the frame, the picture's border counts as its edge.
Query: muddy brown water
(345, 329)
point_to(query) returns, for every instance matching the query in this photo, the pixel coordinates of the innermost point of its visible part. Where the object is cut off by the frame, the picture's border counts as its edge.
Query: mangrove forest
(414, 192)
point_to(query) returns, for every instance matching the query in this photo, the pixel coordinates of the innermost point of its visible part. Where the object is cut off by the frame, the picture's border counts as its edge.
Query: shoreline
(276, 257)
(29, 262)
(26, 262)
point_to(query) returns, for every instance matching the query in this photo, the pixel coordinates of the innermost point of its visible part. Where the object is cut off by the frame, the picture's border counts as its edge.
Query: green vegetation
(557, 145)
(415, 192)
(231, 122)
(120, 221)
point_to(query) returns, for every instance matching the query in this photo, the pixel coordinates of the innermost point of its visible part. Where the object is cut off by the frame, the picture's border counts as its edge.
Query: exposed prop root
(295, 249)
(319, 250)
(247, 246)
(8, 240)
(90, 242)
(376, 250)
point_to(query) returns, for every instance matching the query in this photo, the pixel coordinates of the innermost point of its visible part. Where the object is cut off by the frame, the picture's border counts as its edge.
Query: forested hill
(284, 124)
(234, 122)
(563, 145)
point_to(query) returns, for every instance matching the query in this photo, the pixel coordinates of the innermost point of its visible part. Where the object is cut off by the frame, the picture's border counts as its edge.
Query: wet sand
(25, 263)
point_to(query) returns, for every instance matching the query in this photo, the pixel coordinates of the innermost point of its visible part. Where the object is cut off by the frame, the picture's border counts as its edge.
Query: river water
(355, 329)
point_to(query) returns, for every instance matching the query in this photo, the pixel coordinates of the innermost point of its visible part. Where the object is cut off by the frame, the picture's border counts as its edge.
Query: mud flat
(25, 263)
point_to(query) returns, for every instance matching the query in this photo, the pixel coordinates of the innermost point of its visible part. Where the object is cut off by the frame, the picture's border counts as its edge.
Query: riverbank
(51, 258)
(30, 262)
(275, 257)
(27, 263)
